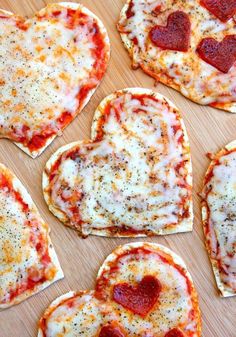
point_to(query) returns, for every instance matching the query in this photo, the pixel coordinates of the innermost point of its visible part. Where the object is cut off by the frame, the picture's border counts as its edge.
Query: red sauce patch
(175, 35)
(141, 298)
(56, 13)
(83, 93)
(174, 333)
(29, 284)
(5, 182)
(111, 331)
(64, 119)
(129, 12)
(221, 55)
(39, 140)
(222, 9)
(21, 25)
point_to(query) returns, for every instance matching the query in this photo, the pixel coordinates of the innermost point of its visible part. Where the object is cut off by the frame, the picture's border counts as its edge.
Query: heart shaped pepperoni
(28, 261)
(175, 35)
(50, 66)
(139, 299)
(111, 331)
(222, 9)
(221, 55)
(142, 289)
(132, 178)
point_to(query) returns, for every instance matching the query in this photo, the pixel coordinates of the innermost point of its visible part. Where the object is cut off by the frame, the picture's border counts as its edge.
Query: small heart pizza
(51, 65)
(142, 289)
(187, 45)
(133, 178)
(28, 262)
(219, 217)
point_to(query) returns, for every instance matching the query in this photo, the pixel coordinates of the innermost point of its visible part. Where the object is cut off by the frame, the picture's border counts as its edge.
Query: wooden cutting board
(209, 129)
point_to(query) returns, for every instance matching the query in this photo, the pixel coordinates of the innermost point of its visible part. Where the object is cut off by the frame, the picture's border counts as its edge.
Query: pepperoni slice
(175, 35)
(174, 333)
(222, 9)
(139, 299)
(111, 331)
(220, 55)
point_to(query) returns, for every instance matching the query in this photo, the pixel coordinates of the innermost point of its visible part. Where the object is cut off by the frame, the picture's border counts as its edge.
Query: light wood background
(208, 129)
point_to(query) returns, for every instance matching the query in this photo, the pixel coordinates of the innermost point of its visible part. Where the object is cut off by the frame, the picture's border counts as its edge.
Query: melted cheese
(184, 71)
(43, 70)
(20, 261)
(80, 315)
(129, 177)
(84, 315)
(220, 197)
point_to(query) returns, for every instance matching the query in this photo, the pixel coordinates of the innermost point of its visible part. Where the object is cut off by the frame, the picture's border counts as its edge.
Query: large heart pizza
(28, 262)
(133, 178)
(219, 217)
(50, 66)
(142, 290)
(187, 45)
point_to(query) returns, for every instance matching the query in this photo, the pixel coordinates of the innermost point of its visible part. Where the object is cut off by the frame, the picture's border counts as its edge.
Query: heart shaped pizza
(219, 218)
(28, 262)
(51, 65)
(187, 45)
(133, 178)
(142, 289)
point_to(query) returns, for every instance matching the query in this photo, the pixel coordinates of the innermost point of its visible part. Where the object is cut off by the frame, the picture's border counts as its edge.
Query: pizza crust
(224, 291)
(18, 186)
(185, 225)
(103, 30)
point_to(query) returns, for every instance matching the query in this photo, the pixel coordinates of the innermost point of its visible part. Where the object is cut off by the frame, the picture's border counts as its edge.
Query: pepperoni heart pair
(176, 36)
(51, 64)
(142, 290)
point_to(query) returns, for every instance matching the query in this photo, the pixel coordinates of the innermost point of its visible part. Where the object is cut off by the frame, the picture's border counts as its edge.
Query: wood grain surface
(208, 129)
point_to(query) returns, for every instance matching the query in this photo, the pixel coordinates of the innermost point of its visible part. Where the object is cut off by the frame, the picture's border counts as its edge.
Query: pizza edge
(17, 185)
(71, 5)
(120, 250)
(185, 225)
(52, 306)
(224, 291)
(161, 76)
